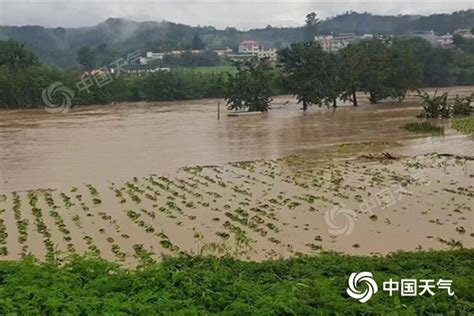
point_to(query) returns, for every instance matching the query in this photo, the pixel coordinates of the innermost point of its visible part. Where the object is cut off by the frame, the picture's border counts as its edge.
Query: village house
(331, 43)
(445, 41)
(248, 47)
(222, 52)
(251, 49)
(137, 70)
(152, 55)
(466, 33)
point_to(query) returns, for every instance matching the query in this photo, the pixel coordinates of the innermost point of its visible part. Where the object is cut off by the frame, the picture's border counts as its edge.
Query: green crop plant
(67, 201)
(143, 256)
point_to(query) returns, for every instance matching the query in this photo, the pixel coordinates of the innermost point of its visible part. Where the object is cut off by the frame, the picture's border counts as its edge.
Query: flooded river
(112, 143)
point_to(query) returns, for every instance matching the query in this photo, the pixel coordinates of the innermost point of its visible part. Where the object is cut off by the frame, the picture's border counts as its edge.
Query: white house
(466, 33)
(222, 51)
(270, 54)
(252, 48)
(332, 43)
(248, 47)
(445, 41)
(152, 55)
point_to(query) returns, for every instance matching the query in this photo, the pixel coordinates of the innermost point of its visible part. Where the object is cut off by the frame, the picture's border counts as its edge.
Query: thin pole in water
(218, 110)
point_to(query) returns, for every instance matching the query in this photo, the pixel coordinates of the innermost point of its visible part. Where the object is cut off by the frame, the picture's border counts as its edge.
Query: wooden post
(218, 110)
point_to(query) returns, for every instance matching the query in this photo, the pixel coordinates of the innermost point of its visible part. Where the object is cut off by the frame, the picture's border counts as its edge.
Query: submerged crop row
(251, 210)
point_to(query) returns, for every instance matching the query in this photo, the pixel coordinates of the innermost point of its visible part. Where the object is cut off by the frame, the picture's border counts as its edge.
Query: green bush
(435, 106)
(439, 106)
(462, 106)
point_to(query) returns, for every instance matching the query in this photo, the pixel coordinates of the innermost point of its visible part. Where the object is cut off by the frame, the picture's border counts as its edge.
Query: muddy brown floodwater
(91, 144)
(134, 182)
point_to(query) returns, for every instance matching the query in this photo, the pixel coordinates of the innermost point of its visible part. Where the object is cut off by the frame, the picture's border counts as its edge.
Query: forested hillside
(58, 46)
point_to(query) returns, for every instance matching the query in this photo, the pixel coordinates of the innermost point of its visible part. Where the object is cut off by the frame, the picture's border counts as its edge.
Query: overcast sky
(241, 14)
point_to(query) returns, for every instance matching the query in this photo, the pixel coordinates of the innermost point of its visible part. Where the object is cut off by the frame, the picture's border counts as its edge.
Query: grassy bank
(302, 285)
(465, 125)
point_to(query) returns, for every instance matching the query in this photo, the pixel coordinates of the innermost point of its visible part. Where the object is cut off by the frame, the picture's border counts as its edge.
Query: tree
(86, 57)
(311, 26)
(14, 55)
(388, 70)
(250, 87)
(382, 68)
(375, 60)
(406, 69)
(437, 68)
(334, 83)
(312, 74)
(351, 72)
(467, 45)
(197, 43)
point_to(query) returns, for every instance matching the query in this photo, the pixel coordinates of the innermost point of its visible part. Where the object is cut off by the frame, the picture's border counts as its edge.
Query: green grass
(206, 285)
(465, 125)
(423, 127)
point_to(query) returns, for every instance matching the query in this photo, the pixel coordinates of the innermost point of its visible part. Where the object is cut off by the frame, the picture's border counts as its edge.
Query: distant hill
(116, 37)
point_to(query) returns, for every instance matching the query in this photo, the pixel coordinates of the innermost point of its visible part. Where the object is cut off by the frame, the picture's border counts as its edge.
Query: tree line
(382, 68)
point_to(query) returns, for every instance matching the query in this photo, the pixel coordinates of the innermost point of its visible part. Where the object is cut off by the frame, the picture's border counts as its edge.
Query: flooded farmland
(112, 143)
(135, 180)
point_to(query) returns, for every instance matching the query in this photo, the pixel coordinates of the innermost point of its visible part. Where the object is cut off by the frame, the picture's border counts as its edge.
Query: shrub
(462, 106)
(434, 106)
(437, 106)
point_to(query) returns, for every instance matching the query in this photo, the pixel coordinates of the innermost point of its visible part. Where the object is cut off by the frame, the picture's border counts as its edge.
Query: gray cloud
(241, 14)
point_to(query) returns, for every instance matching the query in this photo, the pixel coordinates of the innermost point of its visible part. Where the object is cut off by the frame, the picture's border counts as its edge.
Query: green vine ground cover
(206, 285)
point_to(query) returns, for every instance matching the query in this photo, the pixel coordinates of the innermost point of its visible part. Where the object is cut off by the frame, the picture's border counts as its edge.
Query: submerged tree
(380, 69)
(351, 72)
(250, 88)
(375, 62)
(312, 74)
